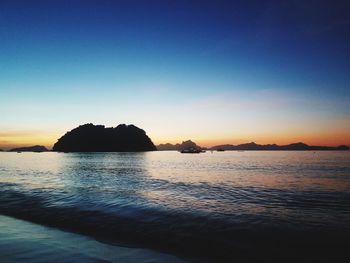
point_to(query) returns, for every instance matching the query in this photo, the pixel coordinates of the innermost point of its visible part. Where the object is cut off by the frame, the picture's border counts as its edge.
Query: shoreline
(24, 241)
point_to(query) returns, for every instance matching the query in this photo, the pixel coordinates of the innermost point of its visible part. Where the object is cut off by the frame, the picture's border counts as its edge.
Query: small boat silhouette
(191, 150)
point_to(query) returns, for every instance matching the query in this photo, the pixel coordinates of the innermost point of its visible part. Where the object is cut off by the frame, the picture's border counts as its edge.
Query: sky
(211, 71)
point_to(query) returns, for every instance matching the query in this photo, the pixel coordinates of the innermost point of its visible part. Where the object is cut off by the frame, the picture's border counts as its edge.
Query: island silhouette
(299, 146)
(98, 138)
(178, 147)
(35, 148)
(251, 147)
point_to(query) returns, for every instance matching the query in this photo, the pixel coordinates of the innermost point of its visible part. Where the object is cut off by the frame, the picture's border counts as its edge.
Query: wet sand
(22, 241)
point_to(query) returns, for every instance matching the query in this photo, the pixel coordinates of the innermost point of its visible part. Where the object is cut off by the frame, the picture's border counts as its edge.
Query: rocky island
(98, 138)
(35, 148)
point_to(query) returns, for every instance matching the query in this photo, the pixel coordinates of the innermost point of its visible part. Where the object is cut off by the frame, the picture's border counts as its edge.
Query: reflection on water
(192, 197)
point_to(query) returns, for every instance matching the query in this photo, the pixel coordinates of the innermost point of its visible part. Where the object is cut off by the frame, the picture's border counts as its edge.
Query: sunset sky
(211, 71)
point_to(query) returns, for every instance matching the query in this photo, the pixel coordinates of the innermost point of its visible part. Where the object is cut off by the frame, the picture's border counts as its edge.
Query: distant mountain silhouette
(36, 148)
(97, 138)
(178, 147)
(251, 147)
(1, 150)
(274, 147)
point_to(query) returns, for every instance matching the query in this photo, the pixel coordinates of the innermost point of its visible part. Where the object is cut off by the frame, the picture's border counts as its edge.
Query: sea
(232, 206)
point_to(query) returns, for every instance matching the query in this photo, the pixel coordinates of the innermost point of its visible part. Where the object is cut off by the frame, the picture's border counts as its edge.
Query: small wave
(188, 234)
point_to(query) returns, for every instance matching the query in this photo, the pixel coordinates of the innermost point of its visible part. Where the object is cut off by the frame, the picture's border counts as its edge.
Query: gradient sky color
(211, 71)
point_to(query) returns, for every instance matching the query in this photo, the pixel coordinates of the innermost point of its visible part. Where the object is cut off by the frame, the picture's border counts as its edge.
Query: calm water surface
(210, 206)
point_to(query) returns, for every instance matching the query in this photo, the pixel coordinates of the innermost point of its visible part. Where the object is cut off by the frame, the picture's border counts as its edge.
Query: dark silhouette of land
(97, 138)
(178, 147)
(1, 150)
(35, 148)
(253, 147)
(274, 147)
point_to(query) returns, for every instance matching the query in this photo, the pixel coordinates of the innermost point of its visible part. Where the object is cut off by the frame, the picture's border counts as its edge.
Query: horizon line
(215, 145)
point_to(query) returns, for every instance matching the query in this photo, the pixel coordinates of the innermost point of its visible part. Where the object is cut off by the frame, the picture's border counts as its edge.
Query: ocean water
(215, 207)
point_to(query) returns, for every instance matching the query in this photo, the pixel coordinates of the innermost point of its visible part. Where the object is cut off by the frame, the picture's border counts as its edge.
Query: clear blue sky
(212, 71)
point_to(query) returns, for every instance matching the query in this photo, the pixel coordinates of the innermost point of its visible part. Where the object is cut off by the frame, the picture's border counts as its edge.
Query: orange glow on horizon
(321, 139)
(335, 138)
(23, 140)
